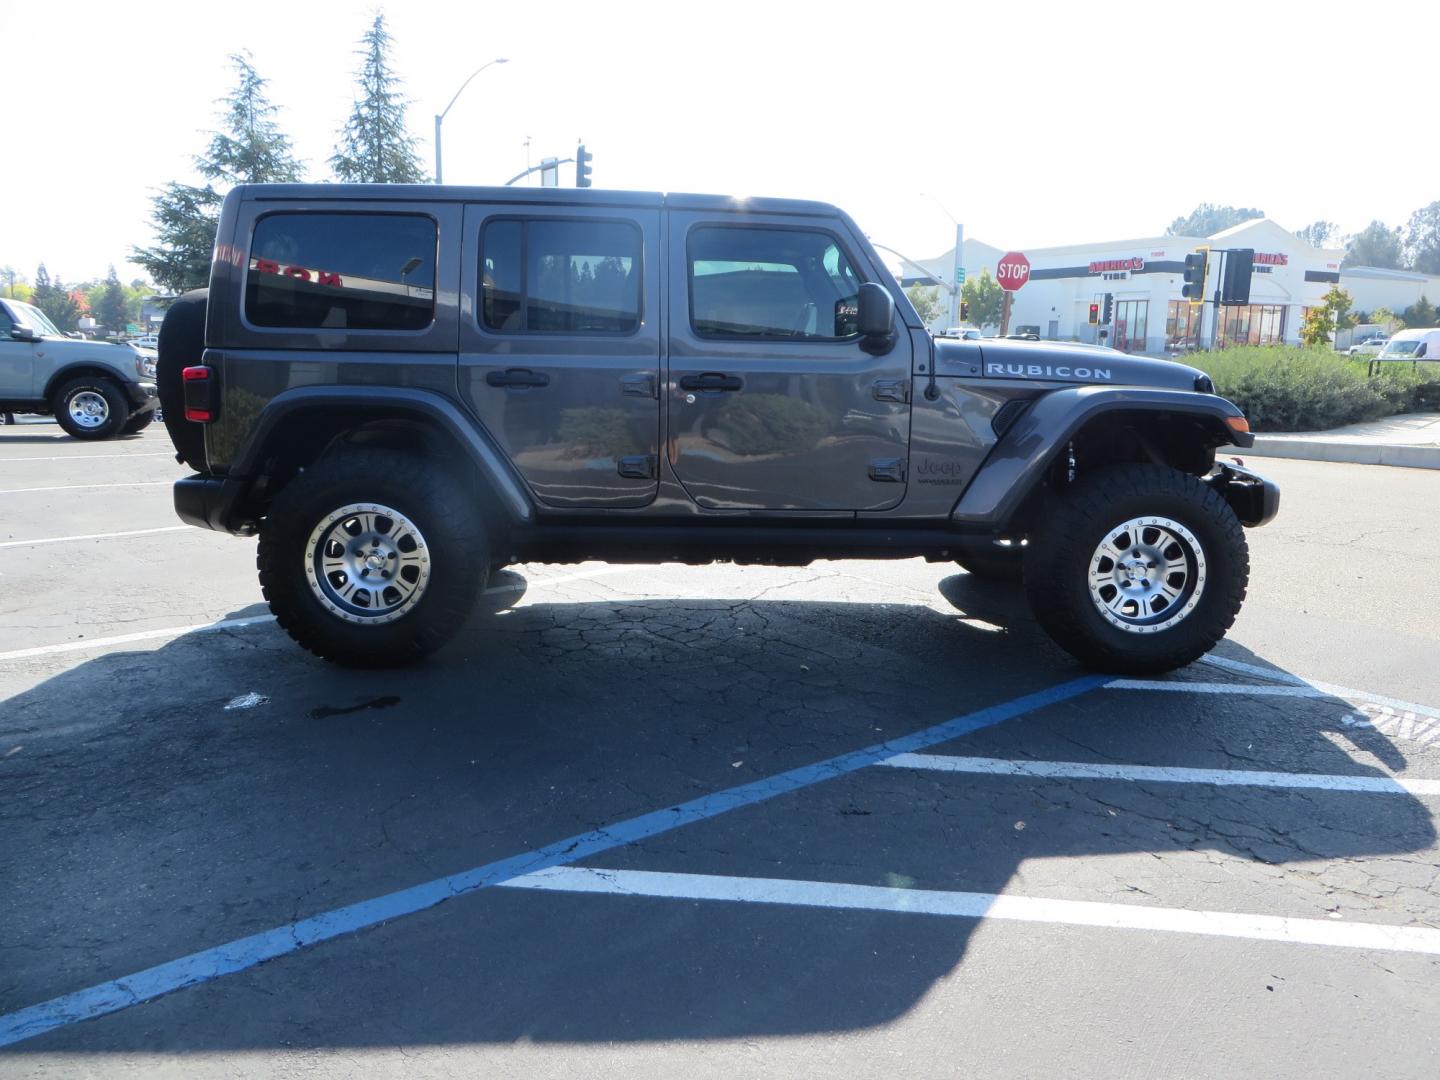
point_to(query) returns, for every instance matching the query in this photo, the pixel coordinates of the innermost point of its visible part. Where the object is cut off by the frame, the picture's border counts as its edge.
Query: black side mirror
(877, 318)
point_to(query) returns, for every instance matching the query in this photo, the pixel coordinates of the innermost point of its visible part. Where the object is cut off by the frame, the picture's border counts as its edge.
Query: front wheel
(90, 407)
(138, 423)
(1137, 569)
(372, 558)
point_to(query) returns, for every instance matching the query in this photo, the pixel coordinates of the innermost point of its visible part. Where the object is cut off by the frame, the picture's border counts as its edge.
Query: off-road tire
(423, 492)
(1059, 556)
(991, 563)
(138, 423)
(116, 402)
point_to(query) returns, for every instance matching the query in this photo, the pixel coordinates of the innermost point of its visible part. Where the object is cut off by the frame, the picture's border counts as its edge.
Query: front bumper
(143, 396)
(1254, 499)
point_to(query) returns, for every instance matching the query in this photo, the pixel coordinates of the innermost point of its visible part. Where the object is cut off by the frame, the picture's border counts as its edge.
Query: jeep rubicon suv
(401, 388)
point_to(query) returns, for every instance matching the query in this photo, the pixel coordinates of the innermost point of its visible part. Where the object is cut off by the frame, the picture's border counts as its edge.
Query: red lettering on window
(325, 277)
(299, 273)
(266, 266)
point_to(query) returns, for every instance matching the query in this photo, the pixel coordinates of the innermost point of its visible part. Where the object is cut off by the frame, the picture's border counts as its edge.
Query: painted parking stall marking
(972, 905)
(551, 868)
(245, 953)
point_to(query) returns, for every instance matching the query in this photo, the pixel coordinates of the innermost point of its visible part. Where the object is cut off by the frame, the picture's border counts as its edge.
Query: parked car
(146, 341)
(963, 333)
(1371, 346)
(1420, 344)
(94, 389)
(401, 388)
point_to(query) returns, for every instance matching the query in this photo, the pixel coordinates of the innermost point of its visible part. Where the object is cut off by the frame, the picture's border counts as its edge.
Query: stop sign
(1012, 271)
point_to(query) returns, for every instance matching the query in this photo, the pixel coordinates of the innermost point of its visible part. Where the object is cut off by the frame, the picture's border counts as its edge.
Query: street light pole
(440, 117)
(956, 264)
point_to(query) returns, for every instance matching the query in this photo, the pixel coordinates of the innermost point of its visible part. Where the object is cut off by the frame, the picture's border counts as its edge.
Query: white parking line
(1328, 688)
(1293, 687)
(88, 487)
(81, 457)
(262, 620)
(92, 536)
(1079, 770)
(139, 635)
(825, 894)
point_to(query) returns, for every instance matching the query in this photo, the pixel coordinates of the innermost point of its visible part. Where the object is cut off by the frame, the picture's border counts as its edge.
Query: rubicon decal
(1047, 371)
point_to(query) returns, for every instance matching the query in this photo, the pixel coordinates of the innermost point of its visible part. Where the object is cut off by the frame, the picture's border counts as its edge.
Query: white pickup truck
(95, 390)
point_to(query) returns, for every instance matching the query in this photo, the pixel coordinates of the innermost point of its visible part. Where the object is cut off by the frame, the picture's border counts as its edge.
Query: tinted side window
(342, 272)
(560, 277)
(6, 324)
(771, 283)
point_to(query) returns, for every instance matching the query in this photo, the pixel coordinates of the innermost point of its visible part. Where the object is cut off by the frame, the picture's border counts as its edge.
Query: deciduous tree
(1375, 245)
(985, 298)
(1208, 219)
(926, 301)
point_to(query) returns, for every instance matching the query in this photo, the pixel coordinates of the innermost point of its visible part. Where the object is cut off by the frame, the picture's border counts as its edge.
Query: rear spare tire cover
(182, 341)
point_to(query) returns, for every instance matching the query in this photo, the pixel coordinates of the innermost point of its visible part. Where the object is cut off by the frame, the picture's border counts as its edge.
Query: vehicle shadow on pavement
(145, 821)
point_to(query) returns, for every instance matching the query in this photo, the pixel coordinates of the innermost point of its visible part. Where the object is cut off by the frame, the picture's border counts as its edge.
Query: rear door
(560, 347)
(773, 404)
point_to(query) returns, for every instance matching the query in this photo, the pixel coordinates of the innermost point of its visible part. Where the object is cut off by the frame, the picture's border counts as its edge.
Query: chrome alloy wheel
(367, 563)
(89, 409)
(1147, 574)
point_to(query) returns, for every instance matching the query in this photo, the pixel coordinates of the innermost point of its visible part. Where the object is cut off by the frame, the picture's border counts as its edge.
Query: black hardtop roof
(415, 193)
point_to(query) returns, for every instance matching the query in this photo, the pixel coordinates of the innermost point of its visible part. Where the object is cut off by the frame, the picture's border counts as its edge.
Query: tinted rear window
(342, 272)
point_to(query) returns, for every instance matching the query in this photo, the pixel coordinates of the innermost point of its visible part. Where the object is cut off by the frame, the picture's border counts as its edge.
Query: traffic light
(1109, 308)
(964, 310)
(1094, 314)
(582, 166)
(1235, 280)
(1197, 269)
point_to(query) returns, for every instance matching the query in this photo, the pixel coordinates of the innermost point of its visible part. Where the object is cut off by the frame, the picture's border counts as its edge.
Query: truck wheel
(991, 562)
(372, 558)
(90, 407)
(138, 423)
(1137, 569)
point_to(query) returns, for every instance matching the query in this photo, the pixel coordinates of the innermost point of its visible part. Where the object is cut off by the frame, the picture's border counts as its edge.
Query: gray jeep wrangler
(401, 388)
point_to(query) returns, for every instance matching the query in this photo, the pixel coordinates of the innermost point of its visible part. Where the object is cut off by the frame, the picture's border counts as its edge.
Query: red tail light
(199, 394)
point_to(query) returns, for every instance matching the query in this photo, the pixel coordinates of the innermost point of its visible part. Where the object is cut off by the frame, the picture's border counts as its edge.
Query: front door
(560, 348)
(17, 362)
(773, 403)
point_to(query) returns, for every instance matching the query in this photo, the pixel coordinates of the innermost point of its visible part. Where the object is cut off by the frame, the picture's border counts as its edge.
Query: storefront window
(1130, 319)
(1182, 324)
(1253, 324)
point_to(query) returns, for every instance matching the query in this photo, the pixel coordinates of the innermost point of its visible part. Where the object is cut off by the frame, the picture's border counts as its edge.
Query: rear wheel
(372, 558)
(1137, 569)
(90, 407)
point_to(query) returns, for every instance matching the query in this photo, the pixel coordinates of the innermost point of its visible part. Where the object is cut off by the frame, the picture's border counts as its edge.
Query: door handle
(517, 377)
(711, 380)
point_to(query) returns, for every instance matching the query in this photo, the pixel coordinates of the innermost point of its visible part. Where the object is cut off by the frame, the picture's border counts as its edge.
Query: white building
(1372, 287)
(1143, 278)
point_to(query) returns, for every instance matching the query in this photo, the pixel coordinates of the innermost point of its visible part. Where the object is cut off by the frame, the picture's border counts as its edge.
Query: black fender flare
(424, 405)
(1020, 457)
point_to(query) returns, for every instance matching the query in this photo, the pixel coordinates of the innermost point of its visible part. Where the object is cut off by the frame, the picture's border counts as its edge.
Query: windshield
(35, 319)
(1401, 348)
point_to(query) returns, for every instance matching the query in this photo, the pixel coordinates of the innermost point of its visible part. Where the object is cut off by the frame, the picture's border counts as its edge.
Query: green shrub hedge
(1289, 389)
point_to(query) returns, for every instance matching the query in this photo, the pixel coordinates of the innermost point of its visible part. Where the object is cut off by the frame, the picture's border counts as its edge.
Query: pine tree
(55, 300)
(376, 146)
(111, 311)
(251, 149)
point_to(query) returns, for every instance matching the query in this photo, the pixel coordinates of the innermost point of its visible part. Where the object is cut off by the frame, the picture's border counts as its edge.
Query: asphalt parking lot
(857, 819)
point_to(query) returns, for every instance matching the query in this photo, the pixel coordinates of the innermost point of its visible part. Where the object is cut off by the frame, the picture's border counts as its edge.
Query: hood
(1059, 362)
(122, 357)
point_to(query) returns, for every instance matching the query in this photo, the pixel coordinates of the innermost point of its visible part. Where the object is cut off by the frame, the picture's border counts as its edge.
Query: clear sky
(1034, 123)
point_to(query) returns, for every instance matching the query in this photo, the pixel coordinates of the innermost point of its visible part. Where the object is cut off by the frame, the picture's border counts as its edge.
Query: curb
(1354, 453)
